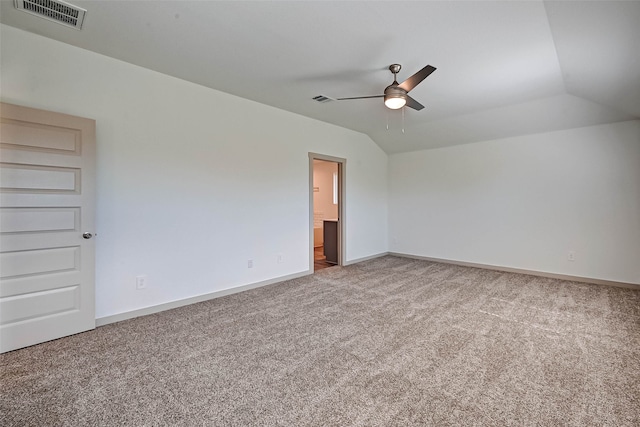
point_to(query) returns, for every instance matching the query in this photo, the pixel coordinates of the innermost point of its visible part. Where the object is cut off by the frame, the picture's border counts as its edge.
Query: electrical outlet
(250, 263)
(141, 282)
(571, 256)
(280, 259)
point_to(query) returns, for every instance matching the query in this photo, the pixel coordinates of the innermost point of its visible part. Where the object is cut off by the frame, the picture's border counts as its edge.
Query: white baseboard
(101, 321)
(523, 271)
(367, 258)
(192, 300)
(180, 303)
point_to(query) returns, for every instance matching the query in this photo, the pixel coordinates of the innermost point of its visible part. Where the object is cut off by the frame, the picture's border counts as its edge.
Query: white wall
(193, 182)
(525, 202)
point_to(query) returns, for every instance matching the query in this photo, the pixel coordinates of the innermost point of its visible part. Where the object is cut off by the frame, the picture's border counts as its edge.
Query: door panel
(36, 305)
(47, 199)
(39, 262)
(38, 179)
(17, 220)
(32, 136)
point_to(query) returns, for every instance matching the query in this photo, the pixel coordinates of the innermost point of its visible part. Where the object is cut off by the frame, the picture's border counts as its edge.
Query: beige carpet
(387, 342)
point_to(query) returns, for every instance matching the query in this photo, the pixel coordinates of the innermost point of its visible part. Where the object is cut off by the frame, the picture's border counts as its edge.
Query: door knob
(87, 235)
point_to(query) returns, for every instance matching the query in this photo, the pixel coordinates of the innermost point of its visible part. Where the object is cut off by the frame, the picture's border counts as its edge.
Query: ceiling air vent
(56, 11)
(322, 98)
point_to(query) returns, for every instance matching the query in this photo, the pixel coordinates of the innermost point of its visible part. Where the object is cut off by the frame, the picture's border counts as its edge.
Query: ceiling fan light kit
(396, 95)
(394, 98)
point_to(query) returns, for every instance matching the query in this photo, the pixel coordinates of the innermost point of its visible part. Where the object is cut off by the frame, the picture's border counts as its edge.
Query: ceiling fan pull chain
(403, 108)
(387, 115)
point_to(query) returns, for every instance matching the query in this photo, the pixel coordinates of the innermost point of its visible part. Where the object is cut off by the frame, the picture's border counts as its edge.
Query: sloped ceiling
(504, 68)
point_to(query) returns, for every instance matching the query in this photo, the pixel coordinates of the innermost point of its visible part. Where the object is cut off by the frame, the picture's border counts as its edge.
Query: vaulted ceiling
(504, 68)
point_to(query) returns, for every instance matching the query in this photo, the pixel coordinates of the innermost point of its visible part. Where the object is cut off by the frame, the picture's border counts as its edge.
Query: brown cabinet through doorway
(331, 240)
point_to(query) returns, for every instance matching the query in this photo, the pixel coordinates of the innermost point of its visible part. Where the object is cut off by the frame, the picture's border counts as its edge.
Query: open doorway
(326, 203)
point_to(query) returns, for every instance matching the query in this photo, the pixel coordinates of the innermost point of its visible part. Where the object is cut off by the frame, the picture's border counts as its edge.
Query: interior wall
(525, 202)
(191, 182)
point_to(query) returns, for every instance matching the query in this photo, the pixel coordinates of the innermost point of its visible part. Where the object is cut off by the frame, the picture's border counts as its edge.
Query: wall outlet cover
(141, 282)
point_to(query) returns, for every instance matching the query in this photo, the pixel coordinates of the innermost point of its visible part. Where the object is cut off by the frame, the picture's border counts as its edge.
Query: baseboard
(192, 300)
(367, 258)
(101, 321)
(523, 271)
(200, 298)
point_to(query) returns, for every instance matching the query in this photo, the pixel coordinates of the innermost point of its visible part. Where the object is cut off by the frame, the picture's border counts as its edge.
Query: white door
(47, 203)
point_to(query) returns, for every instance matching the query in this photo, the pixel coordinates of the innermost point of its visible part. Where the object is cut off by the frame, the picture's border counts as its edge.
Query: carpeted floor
(387, 342)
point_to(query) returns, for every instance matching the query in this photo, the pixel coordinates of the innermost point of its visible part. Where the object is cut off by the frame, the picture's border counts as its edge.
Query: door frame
(342, 172)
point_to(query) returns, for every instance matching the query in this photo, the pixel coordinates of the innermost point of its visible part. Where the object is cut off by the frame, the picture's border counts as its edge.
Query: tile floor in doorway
(319, 260)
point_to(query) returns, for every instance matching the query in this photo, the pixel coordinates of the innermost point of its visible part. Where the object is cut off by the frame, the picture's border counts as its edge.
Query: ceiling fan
(396, 95)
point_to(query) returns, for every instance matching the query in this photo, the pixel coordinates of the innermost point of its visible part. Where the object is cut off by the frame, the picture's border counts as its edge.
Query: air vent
(322, 98)
(56, 11)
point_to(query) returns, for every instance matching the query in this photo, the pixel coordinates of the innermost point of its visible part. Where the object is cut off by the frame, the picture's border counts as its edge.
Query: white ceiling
(504, 68)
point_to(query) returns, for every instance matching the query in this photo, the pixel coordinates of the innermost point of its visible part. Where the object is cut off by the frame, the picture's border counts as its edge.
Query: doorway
(326, 207)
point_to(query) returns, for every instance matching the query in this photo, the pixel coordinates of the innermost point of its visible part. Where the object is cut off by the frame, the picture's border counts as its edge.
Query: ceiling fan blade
(414, 80)
(412, 103)
(360, 97)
